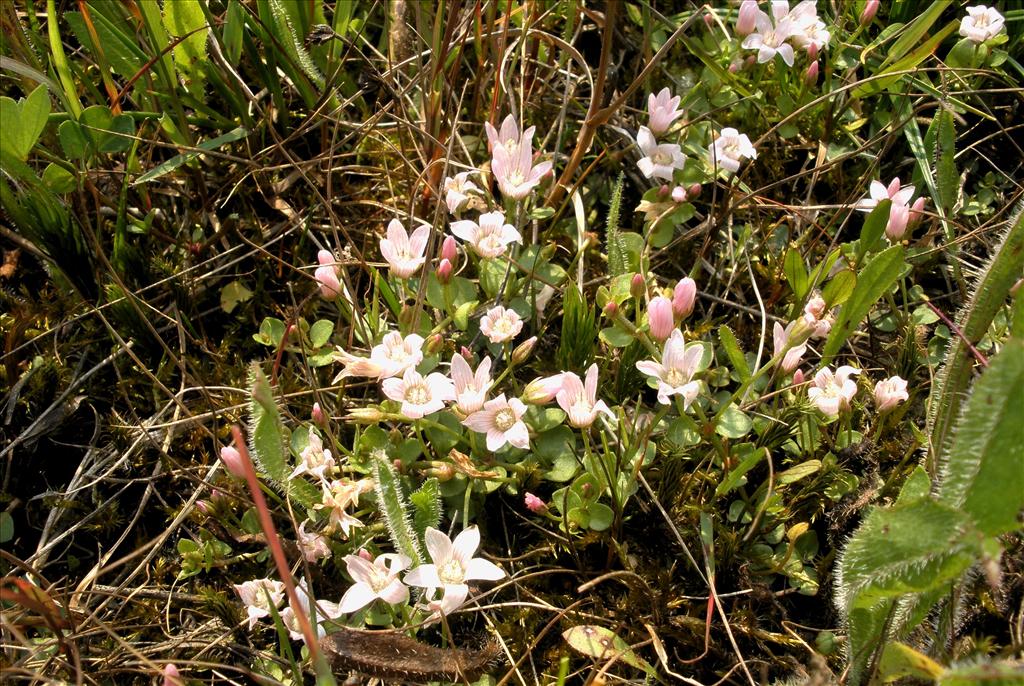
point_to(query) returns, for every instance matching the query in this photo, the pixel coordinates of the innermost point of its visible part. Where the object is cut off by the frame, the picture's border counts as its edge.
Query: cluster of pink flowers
(902, 215)
(790, 341)
(833, 393)
(783, 30)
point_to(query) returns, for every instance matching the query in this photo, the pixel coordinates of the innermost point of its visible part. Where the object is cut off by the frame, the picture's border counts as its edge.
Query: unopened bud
(534, 504)
(683, 297)
(522, 352)
(734, 67)
(542, 390)
(611, 309)
(811, 74)
(444, 272)
(917, 211)
(812, 51)
(693, 191)
(435, 343)
(798, 377)
(365, 415)
(664, 190)
(746, 20)
(232, 459)
(679, 194)
(637, 287)
(204, 507)
(442, 471)
(318, 416)
(172, 677)
(709, 20)
(870, 10)
(449, 249)
(397, 464)
(327, 275)
(659, 318)
(365, 554)
(749, 62)
(467, 354)
(1015, 288)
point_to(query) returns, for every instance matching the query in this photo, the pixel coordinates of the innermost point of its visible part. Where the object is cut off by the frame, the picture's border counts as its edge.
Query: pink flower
(981, 24)
(501, 420)
(232, 460)
(580, 401)
(488, 238)
(314, 459)
(396, 354)
(457, 189)
(543, 390)
(534, 504)
(832, 393)
(659, 161)
(683, 297)
(663, 110)
(327, 275)
(659, 318)
(452, 565)
(172, 677)
(254, 595)
(769, 38)
(337, 497)
(420, 395)
(313, 545)
(817, 317)
(870, 10)
(899, 212)
(890, 393)
(780, 338)
(729, 150)
(470, 389)
(676, 371)
(373, 580)
(501, 324)
(746, 19)
(512, 159)
(808, 31)
(404, 253)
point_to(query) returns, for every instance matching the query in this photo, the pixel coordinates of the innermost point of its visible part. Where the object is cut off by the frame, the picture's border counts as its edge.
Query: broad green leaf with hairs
(947, 181)
(983, 671)
(426, 503)
(393, 505)
(604, 644)
(873, 281)
(983, 475)
(615, 248)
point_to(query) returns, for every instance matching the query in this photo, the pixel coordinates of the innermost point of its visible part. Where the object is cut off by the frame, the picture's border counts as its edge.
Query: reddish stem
(982, 360)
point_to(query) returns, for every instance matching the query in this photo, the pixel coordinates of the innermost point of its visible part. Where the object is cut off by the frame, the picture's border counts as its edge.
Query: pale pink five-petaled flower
(254, 595)
(901, 213)
(420, 395)
(663, 110)
(452, 565)
(312, 544)
(679, 363)
(501, 419)
(659, 161)
(325, 610)
(890, 393)
(470, 387)
(512, 159)
(373, 580)
(489, 236)
(981, 23)
(457, 189)
(314, 459)
(769, 37)
(729, 150)
(404, 253)
(832, 393)
(501, 324)
(579, 399)
(780, 337)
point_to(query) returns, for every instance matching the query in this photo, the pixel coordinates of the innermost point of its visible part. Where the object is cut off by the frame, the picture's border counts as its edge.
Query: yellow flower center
(505, 419)
(451, 572)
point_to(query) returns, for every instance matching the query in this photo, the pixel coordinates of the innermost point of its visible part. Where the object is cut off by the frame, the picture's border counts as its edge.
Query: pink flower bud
(899, 217)
(542, 390)
(870, 10)
(449, 249)
(746, 20)
(683, 297)
(611, 309)
(434, 344)
(749, 62)
(534, 504)
(444, 271)
(232, 460)
(798, 377)
(679, 194)
(172, 677)
(637, 287)
(467, 354)
(659, 318)
(365, 554)
(812, 51)
(917, 211)
(327, 275)
(693, 191)
(664, 191)
(204, 507)
(890, 393)
(734, 67)
(709, 20)
(811, 75)
(522, 352)
(317, 415)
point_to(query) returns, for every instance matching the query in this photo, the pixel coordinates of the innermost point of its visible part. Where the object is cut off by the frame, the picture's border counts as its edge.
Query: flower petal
(424, 576)
(439, 546)
(480, 568)
(358, 596)
(465, 544)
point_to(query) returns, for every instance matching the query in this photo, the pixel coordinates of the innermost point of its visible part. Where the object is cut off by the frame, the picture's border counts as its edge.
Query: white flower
(805, 26)
(663, 110)
(457, 189)
(404, 253)
(890, 393)
(313, 545)
(337, 496)
(420, 395)
(981, 23)
(831, 393)
(392, 357)
(675, 373)
(878, 191)
(254, 595)
(501, 324)
(729, 149)
(314, 459)
(659, 161)
(501, 420)
(488, 238)
(452, 566)
(377, 579)
(470, 388)
(580, 401)
(324, 611)
(515, 171)
(768, 38)
(509, 136)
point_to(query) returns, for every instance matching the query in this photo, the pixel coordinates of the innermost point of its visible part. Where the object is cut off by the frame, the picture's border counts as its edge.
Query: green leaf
(23, 122)
(603, 644)
(796, 273)
(733, 423)
(982, 671)
(73, 140)
(800, 471)
(6, 527)
(839, 288)
(983, 475)
(426, 503)
(616, 337)
(185, 19)
(947, 181)
(120, 50)
(233, 294)
(105, 132)
(900, 661)
(874, 280)
(600, 516)
(392, 503)
(874, 227)
(616, 250)
(58, 179)
(735, 476)
(178, 160)
(320, 332)
(732, 350)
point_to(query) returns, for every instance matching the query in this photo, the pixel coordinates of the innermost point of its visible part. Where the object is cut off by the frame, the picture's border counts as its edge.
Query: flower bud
(522, 352)
(749, 62)
(318, 416)
(734, 67)
(467, 354)
(542, 390)
(365, 415)
(811, 74)
(327, 275)
(172, 677)
(709, 20)
(693, 191)
(746, 20)
(659, 318)
(365, 554)
(611, 309)
(870, 10)
(450, 250)
(233, 461)
(442, 471)
(812, 51)
(637, 287)
(664, 190)
(917, 211)
(204, 507)
(679, 194)
(1015, 288)
(444, 272)
(798, 377)
(683, 297)
(434, 344)
(534, 504)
